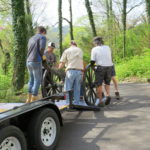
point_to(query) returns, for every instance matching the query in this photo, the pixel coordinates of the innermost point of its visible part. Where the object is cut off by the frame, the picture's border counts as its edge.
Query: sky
(49, 15)
(46, 11)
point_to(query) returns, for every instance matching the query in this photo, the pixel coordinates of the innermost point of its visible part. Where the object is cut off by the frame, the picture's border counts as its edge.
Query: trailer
(34, 125)
(37, 125)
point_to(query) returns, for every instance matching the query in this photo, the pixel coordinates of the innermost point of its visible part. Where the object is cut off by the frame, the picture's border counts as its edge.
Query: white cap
(51, 44)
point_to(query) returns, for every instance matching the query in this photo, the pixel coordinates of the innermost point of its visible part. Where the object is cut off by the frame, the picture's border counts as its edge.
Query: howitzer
(53, 82)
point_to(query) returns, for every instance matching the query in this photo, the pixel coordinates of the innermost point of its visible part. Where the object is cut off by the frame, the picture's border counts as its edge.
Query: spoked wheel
(12, 138)
(51, 84)
(89, 86)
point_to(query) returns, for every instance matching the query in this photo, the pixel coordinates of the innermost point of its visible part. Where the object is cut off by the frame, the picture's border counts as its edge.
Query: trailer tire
(12, 138)
(44, 129)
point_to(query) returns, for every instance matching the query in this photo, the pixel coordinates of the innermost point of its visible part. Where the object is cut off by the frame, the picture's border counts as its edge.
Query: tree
(60, 25)
(20, 42)
(29, 19)
(91, 18)
(71, 20)
(124, 20)
(109, 12)
(148, 9)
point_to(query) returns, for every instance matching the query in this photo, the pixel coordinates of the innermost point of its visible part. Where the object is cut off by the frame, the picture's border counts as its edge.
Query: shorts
(113, 73)
(103, 74)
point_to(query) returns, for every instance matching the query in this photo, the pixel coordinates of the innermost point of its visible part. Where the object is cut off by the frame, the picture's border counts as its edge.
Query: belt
(74, 69)
(103, 66)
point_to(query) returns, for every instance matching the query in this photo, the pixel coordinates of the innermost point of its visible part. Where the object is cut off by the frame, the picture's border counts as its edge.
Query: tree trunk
(108, 20)
(124, 20)
(20, 42)
(91, 18)
(60, 25)
(148, 10)
(71, 20)
(29, 19)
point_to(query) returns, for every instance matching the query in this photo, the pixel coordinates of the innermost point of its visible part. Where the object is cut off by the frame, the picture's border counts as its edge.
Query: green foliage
(137, 39)
(137, 66)
(83, 37)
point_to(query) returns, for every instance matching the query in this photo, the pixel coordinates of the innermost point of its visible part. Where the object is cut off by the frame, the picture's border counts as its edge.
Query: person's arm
(42, 44)
(61, 65)
(62, 60)
(93, 58)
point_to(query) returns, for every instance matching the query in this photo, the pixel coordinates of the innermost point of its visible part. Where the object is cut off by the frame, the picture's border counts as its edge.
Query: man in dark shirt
(49, 53)
(36, 47)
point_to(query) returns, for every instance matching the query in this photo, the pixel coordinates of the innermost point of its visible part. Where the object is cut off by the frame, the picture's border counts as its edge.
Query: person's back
(35, 44)
(74, 58)
(102, 55)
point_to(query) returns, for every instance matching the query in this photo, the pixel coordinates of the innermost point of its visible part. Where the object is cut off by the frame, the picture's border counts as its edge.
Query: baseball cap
(51, 44)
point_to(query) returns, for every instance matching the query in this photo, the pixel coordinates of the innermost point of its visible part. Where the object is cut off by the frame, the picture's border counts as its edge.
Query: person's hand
(44, 58)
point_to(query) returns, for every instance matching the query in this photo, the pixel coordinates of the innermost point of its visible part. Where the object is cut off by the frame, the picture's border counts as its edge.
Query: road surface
(123, 125)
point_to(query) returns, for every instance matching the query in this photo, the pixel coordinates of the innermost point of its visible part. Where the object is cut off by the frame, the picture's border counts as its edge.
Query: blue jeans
(73, 82)
(35, 73)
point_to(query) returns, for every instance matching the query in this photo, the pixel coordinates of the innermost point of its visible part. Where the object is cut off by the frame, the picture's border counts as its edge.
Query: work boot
(108, 99)
(28, 98)
(117, 95)
(34, 98)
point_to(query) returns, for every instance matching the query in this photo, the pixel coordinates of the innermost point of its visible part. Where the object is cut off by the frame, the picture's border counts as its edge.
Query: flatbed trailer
(34, 126)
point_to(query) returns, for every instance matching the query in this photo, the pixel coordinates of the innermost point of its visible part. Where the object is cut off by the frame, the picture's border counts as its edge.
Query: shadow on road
(87, 130)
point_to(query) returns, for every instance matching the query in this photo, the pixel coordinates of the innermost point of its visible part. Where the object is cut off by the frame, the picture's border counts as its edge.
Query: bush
(137, 66)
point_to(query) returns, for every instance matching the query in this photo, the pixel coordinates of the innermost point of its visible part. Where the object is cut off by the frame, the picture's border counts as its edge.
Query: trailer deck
(9, 106)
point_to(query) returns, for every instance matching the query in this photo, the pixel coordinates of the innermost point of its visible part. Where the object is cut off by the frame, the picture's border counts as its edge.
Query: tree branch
(134, 7)
(66, 20)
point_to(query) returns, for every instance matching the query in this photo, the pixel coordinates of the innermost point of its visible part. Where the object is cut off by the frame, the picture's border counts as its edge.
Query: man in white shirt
(101, 56)
(72, 58)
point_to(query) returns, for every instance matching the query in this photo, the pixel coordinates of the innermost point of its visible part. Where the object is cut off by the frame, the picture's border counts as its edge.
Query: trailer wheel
(44, 129)
(12, 138)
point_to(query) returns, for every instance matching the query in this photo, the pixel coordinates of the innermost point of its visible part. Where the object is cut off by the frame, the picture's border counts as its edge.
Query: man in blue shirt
(36, 47)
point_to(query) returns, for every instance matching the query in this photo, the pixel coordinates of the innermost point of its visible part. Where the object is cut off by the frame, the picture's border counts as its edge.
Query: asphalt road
(123, 125)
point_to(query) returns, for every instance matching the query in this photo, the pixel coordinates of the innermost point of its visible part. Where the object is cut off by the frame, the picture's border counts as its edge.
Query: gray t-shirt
(36, 47)
(50, 57)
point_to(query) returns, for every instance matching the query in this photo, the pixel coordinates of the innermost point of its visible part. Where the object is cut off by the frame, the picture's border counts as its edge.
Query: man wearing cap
(49, 53)
(36, 47)
(101, 55)
(72, 58)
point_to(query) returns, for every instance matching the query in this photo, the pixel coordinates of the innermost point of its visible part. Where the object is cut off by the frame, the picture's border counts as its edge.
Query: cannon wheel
(51, 84)
(90, 94)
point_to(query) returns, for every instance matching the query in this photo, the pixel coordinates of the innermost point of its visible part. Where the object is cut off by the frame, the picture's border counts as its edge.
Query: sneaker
(104, 100)
(117, 95)
(97, 102)
(108, 99)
